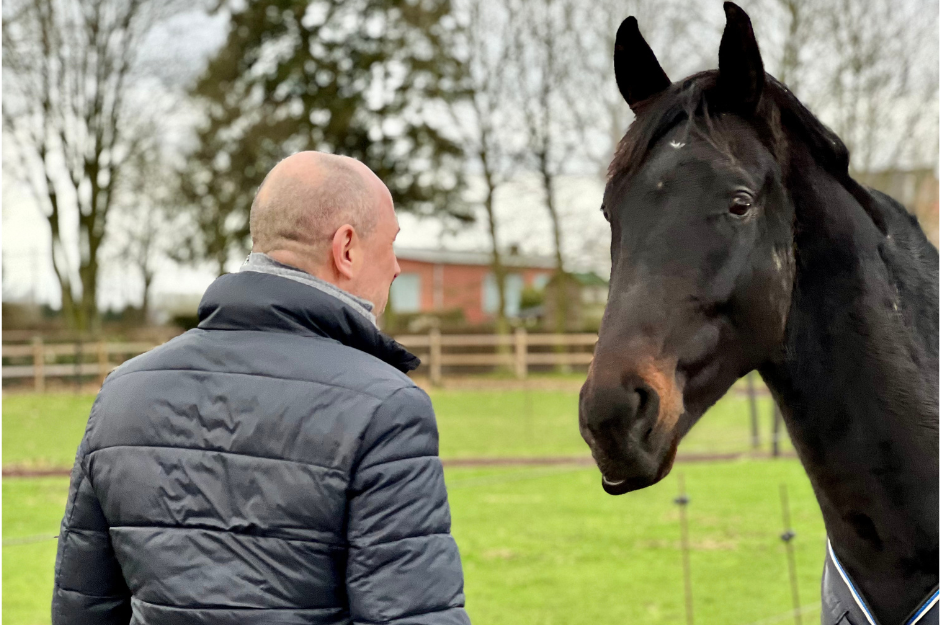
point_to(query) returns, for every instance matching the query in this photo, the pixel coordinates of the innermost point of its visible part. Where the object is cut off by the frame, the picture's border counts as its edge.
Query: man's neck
(299, 261)
(271, 264)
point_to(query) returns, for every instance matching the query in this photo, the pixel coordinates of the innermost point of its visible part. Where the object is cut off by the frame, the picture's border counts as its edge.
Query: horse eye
(740, 205)
(604, 210)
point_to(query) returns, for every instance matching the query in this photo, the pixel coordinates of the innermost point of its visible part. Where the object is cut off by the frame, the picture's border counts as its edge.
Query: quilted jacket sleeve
(403, 568)
(89, 587)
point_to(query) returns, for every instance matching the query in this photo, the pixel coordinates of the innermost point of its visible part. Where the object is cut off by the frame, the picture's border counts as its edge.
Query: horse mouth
(621, 487)
(615, 481)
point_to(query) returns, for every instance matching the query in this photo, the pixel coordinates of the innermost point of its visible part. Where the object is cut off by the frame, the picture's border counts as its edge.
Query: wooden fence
(66, 360)
(516, 352)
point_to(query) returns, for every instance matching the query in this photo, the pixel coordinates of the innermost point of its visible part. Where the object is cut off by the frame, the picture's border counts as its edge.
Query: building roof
(467, 257)
(589, 278)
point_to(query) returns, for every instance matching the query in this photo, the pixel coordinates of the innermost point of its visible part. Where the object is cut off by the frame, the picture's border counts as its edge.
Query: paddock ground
(541, 542)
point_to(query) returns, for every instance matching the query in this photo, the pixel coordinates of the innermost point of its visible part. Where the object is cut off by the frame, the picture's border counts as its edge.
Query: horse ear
(740, 69)
(639, 75)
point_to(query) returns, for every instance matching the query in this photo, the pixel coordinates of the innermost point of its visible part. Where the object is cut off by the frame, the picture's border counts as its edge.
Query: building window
(406, 293)
(514, 285)
(539, 281)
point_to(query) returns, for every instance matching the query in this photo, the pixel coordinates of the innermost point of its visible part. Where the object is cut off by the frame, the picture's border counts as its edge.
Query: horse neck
(859, 406)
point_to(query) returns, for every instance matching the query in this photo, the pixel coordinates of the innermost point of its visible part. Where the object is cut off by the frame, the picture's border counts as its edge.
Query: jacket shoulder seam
(402, 459)
(268, 376)
(353, 546)
(198, 607)
(87, 594)
(219, 530)
(409, 615)
(215, 451)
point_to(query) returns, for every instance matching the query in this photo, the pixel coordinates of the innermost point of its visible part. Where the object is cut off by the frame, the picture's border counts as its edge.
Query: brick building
(440, 281)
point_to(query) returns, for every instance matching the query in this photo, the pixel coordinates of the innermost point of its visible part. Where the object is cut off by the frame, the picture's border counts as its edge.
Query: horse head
(701, 249)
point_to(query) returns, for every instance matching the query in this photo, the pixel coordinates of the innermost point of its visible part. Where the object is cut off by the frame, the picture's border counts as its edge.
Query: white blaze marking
(676, 144)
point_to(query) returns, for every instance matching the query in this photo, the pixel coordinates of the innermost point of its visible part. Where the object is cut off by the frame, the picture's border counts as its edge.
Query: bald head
(331, 217)
(307, 197)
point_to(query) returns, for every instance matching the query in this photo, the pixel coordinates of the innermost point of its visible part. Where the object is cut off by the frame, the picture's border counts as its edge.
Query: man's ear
(343, 250)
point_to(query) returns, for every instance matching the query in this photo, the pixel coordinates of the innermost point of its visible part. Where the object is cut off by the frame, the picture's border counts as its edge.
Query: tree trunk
(561, 299)
(145, 301)
(790, 64)
(499, 272)
(561, 278)
(88, 319)
(69, 312)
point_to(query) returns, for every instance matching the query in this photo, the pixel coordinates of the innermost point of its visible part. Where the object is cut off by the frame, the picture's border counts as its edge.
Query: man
(274, 465)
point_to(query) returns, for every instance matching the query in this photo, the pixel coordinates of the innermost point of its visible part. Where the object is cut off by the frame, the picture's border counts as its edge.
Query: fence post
(522, 353)
(103, 368)
(39, 364)
(435, 357)
(752, 395)
(682, 501)
(776, 430)
(79, 359)
(787, 538)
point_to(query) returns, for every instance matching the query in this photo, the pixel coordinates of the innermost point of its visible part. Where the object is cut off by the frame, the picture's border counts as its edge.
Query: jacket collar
(252, 300)
(262, 263)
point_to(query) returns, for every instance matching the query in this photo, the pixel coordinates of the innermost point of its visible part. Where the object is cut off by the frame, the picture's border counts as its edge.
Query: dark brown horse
(740, 242)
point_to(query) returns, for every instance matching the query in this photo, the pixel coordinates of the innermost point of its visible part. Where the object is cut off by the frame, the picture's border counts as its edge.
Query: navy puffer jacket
(273, 466)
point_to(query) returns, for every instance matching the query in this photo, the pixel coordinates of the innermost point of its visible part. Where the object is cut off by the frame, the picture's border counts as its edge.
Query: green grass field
(31, 508)
(540, 545)
(44, 430)
(547, 546)
(477, 424)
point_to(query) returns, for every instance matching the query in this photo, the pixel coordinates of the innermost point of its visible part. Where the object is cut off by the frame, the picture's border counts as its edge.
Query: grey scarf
(262, 263)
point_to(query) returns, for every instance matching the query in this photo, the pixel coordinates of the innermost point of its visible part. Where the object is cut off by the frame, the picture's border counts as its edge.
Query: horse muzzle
(630, 427)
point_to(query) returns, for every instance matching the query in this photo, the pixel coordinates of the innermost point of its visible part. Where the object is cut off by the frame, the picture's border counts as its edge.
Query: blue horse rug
(842, 603)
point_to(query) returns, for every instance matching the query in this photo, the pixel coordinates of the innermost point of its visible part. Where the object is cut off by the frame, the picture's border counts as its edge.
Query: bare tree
(145, 216)
(882, 82)
(673, 29)
(869, 69)
(800, 16)
(69, 109)
(485, 118)
(790, 33)
(599, 113)
(544, 54)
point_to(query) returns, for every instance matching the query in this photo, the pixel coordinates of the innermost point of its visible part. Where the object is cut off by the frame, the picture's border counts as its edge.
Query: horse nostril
(614, 415)
(647, 411)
